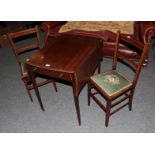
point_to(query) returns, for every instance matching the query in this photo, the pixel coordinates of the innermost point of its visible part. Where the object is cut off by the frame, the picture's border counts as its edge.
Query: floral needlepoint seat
(111, 82)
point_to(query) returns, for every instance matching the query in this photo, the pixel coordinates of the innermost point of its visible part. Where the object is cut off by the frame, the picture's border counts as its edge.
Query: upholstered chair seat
(111, 82)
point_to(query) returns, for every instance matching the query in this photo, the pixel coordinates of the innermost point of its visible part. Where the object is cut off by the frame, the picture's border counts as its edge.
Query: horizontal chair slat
(119, 108)
(22, 33)
(122, 99)
(26, 48)
(98, 102)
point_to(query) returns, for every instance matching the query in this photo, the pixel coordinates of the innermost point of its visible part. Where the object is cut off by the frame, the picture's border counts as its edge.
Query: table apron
(53, 74)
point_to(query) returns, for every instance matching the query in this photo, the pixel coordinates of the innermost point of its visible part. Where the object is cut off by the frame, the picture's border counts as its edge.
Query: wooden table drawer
(54, 74)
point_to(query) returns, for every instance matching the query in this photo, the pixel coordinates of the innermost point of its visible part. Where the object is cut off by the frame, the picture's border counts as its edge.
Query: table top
(64, 53)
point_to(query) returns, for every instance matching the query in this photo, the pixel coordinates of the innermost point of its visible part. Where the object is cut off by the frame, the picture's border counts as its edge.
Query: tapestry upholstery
(111, 82)
(124, 26)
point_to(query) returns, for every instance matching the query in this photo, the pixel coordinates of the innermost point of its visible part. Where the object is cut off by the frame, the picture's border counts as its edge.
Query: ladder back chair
(16, 41)
(113, 86)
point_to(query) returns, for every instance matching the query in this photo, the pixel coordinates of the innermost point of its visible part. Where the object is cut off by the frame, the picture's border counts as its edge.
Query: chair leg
(55, 87)
(76, 99)
(99, 68)
(28, 91)
(30, 95)
(89, 91)
(108, 108)
(130, 100)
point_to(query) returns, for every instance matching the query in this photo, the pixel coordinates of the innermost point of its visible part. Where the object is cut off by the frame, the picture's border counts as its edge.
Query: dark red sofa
(143, 32)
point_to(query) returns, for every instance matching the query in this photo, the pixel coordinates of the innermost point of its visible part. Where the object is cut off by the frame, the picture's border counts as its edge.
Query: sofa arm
(51, 25)
(144, 30)
(148, 34)
(46, 26)
(51, 28)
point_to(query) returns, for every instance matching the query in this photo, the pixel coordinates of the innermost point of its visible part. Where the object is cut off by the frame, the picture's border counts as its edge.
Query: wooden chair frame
(124, 94)
(21, 50)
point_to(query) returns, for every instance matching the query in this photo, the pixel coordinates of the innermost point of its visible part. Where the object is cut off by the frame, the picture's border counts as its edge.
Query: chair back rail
(17, 35)
(141, 49)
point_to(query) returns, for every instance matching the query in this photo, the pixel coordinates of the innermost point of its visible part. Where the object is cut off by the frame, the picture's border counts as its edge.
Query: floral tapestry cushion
(114, 26)
(111, 82)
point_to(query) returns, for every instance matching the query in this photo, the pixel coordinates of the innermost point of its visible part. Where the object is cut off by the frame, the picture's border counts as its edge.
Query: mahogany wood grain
(70, 58)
